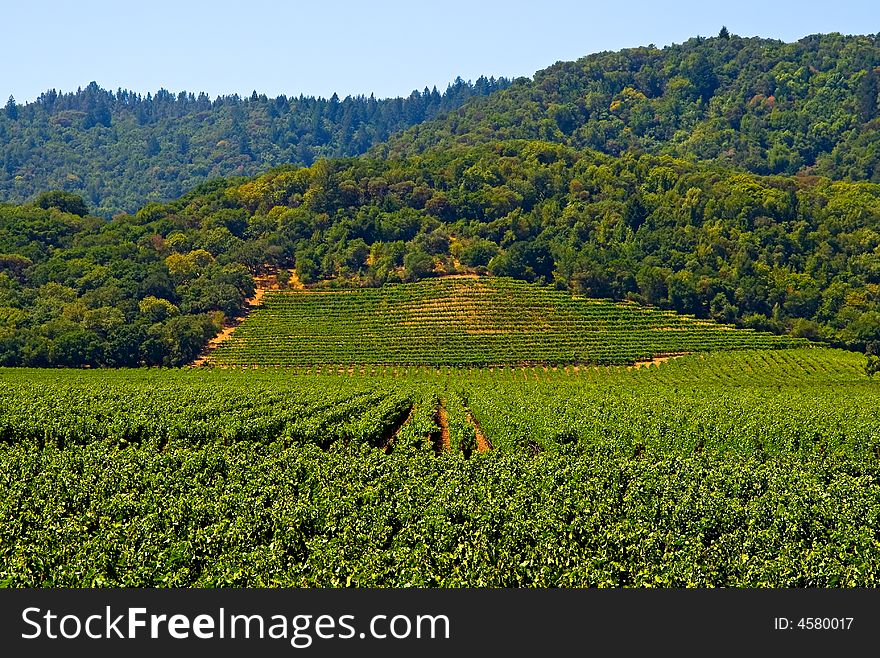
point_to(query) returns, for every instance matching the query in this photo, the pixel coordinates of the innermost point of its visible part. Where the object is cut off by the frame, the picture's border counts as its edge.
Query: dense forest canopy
(121, 150)
(788, 254)
(755, 104)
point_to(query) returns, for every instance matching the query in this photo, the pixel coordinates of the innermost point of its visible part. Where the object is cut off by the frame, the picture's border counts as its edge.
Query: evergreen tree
(11, 109)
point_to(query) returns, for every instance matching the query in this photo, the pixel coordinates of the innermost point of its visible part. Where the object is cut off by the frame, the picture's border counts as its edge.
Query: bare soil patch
(295, 282)
(387, 442)
(656, 361)
(483, 443)
(441, 439)
(229, 326)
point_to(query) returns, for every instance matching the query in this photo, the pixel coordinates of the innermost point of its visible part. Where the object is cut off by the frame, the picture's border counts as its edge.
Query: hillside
(783, 254)
(748, 103)
(467, 321)
(120, 150)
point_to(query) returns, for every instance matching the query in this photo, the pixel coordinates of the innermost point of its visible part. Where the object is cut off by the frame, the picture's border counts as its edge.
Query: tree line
(120, 150)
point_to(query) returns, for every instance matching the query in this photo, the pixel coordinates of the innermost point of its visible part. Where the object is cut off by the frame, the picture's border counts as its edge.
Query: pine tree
(12, 109)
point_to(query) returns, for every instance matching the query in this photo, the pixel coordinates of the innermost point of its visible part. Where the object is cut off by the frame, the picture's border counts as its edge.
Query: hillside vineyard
(468, 321)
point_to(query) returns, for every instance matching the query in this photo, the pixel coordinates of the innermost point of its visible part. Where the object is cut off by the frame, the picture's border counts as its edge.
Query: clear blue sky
(388, 47)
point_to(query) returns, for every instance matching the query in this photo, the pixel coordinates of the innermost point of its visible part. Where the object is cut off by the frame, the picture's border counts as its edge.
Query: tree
(682, 292)
(63, 201)
(866, 96)
(524, 260)
(75, 348)
(872, 352)
(435, 243)
(123, 346)
(308, 266)
(153, 146)
(15, 265)
(354, 257)
(283, 278)
(12, 109)
(702, 75)
(186, 335)
(724, 34)
(418, 265)
(183, 267)
(155, 309)
(478, 253)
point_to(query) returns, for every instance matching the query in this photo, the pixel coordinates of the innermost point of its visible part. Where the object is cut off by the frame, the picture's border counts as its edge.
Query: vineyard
(468, 321)
(741, 468)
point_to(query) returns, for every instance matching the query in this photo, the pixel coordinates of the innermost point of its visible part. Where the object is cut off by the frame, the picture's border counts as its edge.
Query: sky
(385, 47)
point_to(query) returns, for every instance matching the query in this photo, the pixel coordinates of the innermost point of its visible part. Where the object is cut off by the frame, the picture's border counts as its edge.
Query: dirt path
(229, 327)
(257, 299)
(656, 361)
(483, 442)
(443, 444)
(387, 445)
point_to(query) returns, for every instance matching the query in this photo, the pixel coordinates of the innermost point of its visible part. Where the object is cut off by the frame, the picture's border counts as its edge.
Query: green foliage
(478, 253)
(772, 253)
(121, 150)
(872, 353)
(781, 254)
(78, 291)
(755, 104)
(808, 107)
(747, 469)
(63, 201)
(418, 265)
(11, 109)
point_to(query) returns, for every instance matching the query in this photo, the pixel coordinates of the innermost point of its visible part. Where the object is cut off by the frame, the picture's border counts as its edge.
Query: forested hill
(755, 104)
(121, 150)
(747, 103)
(790, 254)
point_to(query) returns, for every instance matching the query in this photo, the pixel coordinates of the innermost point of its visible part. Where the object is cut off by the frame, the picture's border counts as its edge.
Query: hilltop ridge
(753, 104)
